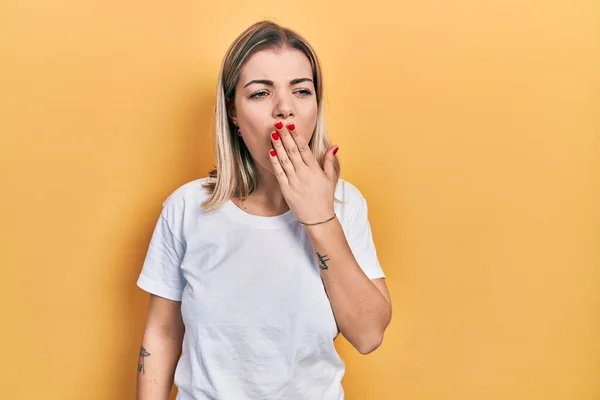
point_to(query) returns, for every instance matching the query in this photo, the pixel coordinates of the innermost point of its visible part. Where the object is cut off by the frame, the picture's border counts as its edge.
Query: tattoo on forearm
(323, 260)
(143, 353)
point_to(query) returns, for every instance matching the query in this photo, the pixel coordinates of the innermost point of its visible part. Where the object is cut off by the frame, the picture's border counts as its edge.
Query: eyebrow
(271, 83)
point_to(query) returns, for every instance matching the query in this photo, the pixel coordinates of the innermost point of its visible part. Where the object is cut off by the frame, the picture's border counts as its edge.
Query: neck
(267, 198)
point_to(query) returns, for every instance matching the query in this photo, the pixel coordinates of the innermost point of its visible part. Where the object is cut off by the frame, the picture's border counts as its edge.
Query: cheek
(253, 116)
(308, 119)
(255, 130)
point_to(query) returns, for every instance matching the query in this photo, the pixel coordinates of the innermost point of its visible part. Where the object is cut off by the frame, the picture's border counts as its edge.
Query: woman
(254, 270)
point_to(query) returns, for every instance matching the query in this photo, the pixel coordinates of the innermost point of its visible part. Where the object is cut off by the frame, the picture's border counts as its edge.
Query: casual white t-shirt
(258, 322)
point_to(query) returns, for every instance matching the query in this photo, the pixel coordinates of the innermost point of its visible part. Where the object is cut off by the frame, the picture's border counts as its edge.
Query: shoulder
(187, 195)
(345, 190)
(191, 191)
(353, 201)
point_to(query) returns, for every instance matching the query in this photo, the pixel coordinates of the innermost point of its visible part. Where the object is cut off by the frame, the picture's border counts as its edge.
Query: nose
(283, 107)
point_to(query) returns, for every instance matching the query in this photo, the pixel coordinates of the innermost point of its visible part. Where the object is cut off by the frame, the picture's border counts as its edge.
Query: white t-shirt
(258, 322)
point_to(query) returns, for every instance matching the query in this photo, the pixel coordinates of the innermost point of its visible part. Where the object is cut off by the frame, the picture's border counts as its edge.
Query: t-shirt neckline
(257, 221)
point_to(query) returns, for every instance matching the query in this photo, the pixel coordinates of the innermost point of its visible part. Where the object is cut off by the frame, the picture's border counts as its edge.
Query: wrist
(318, 222)
(324, 230)
(325, 237)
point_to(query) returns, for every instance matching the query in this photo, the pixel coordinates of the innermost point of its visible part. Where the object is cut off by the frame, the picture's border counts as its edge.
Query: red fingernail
(272, 153)
(275, 135)
(279, 125)
(335, 151)
(291, 127)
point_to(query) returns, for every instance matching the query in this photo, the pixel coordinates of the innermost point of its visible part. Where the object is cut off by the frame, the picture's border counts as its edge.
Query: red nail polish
(279, 125)
(275, 136)
(272, 153)
(291, 127)
(335, 151)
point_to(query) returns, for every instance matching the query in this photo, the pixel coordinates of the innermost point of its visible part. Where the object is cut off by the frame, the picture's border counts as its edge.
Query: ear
(232, 114)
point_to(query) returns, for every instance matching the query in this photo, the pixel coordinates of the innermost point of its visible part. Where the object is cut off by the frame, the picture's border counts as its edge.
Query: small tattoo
(143, 353)
(322, 259)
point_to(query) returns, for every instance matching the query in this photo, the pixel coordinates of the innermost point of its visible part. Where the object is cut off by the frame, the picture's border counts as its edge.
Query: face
(274, 86)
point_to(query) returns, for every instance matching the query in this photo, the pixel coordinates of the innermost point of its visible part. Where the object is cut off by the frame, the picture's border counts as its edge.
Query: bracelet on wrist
(317, 223)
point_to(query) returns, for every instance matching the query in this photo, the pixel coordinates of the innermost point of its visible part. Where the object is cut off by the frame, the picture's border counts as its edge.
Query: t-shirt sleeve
(360, 238)
(161, 273)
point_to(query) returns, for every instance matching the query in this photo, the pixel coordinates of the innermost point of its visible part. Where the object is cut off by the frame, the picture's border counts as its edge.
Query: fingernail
(335, 151)
(291, 127)
(272, 153)
(275, 135)
(279, 125)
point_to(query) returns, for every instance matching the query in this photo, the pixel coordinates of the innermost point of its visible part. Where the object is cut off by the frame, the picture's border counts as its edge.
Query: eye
(259, 94)
(304, 92)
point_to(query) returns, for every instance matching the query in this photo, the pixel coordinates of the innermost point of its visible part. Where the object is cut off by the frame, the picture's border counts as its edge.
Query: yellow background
(472, 127)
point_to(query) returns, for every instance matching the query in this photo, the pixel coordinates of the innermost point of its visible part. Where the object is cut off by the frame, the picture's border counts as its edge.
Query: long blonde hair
(235, 174)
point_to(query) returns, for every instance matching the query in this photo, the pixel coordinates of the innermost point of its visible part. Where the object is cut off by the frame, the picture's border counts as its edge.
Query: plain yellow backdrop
(472, 128)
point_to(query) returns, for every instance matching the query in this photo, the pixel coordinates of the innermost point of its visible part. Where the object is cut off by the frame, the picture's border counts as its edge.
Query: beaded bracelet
(317, 223)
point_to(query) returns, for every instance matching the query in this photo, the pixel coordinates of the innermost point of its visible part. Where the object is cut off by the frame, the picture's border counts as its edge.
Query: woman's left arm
(362, 307)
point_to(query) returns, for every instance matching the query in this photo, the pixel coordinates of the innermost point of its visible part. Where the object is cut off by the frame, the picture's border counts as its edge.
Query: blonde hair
(235, 174)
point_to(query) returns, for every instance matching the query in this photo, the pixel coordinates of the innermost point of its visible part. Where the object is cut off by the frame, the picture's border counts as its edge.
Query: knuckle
(280, 174)
(286, 161)
(303, 148)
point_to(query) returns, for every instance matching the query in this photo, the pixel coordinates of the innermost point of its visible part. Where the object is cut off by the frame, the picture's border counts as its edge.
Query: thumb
(328, 162)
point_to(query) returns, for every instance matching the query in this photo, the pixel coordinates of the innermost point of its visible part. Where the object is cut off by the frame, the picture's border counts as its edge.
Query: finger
(303, 148)
(282, 155)
(277, 169)
(290, 145)
(329, 162)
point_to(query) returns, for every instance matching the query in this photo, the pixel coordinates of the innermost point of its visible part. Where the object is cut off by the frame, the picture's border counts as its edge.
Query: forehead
(276, 65)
